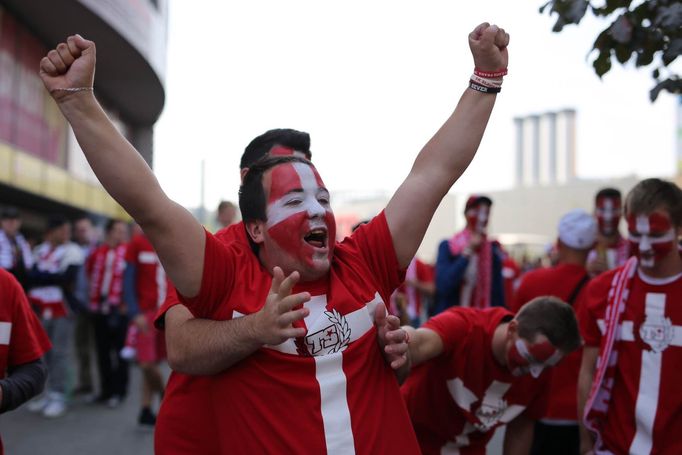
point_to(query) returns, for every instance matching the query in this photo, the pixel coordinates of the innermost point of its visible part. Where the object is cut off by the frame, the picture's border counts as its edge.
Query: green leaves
(651, 32)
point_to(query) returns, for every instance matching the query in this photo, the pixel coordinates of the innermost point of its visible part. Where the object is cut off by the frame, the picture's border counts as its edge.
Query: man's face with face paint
(608, 212)
(477, 218)
(652, 237)
(524, 357)
(301, 230)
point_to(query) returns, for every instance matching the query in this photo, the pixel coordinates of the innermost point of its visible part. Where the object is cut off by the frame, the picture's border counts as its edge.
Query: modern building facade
(42, 170)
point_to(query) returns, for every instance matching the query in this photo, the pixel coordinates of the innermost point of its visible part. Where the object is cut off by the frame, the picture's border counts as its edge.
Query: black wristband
(482, 88)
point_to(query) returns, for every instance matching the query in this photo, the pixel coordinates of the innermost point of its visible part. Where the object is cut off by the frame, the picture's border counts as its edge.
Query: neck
(609, 240)
(499, 343)
(573, 257)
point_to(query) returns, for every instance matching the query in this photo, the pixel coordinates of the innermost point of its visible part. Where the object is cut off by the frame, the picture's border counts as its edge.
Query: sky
(372, 82)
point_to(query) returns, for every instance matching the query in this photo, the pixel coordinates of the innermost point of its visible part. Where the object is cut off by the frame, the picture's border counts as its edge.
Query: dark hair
(552, 318)
(55, 222)
(252, 201)
(261, 145)
(650, 194)
(608, 192)
(111, 223)
(224, 204)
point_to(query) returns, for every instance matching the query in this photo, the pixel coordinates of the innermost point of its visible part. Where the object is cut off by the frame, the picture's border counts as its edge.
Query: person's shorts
(151, 345)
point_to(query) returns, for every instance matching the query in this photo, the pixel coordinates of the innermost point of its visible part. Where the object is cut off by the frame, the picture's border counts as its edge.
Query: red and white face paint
(651, 237)
(523, 358)
(608, 213)
(477, 218)
(300, 219)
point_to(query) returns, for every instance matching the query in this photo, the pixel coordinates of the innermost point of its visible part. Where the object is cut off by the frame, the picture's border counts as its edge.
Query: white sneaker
(38, 403)
(56, 406)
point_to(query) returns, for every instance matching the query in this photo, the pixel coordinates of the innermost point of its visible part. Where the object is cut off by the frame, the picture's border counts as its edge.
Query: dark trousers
(110, 335)
(84, 339)
(555, 440)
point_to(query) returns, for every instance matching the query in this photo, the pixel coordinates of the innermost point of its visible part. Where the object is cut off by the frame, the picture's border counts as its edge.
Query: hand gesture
(488, 44)
(70, 65)
(391, 338)
(274, 322)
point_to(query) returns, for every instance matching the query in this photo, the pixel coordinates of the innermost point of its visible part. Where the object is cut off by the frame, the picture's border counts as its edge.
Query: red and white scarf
(100, 268)
(7, 258)
(597, 404)
(481, 295)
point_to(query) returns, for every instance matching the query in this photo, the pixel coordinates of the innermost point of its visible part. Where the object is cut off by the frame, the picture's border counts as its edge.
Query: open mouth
(317, 238)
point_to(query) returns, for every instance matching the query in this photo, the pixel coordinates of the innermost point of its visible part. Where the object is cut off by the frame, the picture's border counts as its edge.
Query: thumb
(488, 35)
(83, 44)
(380, 315)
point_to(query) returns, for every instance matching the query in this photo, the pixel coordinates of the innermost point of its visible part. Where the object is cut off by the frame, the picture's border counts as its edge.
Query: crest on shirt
(657, 332)
(490, 414)
(333, 338)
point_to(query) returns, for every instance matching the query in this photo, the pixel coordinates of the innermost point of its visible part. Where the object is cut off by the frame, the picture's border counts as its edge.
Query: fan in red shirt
(611, 250)
(631, 321)
(329, 388)
(23, 342)
(105, 268)
(557, 430)
(146, 287)
(472, 374)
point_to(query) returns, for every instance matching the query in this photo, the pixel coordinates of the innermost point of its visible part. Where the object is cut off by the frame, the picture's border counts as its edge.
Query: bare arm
(203, 346)
(518, 437)
(424, 344)
(585, 377)
(177, 237)
(445, 157)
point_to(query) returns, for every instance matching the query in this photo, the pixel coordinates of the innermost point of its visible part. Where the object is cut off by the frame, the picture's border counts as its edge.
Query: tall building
(545, 148)
(42, 170)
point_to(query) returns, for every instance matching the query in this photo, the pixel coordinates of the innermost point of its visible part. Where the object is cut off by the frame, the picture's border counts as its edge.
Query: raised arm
(68, 73)
(445, 157)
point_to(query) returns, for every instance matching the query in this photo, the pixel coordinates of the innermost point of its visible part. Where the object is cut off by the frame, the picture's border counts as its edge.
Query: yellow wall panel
(28, 172)
(56, 184)
(6, 155)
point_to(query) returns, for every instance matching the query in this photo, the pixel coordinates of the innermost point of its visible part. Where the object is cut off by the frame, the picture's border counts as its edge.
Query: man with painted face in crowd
(475, 374)
(316, 365)
(469, 265)
(631, 320)
(612, 249)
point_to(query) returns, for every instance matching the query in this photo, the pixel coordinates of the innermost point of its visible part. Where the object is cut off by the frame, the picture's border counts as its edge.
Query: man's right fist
(70, 65)
(488, 44)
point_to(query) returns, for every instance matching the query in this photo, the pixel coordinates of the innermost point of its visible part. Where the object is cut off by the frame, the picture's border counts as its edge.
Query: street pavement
(86, 429)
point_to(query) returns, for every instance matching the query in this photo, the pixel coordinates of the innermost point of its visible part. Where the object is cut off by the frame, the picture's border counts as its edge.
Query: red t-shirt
(178, 430)
(328, 392)
(457, 399)
(558, 281)
(151, 282)
(22, 337)
(644, 414)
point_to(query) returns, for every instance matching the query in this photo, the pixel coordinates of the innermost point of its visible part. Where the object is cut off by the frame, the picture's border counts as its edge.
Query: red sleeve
(171, 300)
(28, 340)
(591, 307)
(374, 242)
(537, 408)
(452, 326)
(217, 278)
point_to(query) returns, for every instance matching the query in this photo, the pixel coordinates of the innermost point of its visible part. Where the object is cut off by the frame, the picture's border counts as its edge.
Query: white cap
(578, 229)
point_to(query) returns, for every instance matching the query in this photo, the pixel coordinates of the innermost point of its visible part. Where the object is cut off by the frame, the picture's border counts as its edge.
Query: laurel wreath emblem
(341, 324)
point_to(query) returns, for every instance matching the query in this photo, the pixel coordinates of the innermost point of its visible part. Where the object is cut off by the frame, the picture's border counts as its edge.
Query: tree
(646, 31)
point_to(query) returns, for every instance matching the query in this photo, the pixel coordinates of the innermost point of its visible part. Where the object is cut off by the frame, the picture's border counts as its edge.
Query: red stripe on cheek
(283, 178)
(288, 234)
(542, 351)
(659, 223)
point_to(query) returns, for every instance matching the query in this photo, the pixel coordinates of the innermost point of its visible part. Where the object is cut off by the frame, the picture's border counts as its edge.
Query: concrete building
(42, 170)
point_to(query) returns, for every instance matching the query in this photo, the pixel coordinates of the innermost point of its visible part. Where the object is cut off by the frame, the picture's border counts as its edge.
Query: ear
(255, 229)
(242, 173)
(512, 328)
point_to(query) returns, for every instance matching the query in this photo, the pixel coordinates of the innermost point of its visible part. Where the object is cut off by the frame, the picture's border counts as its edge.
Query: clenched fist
(70, 65)
(488, 44)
